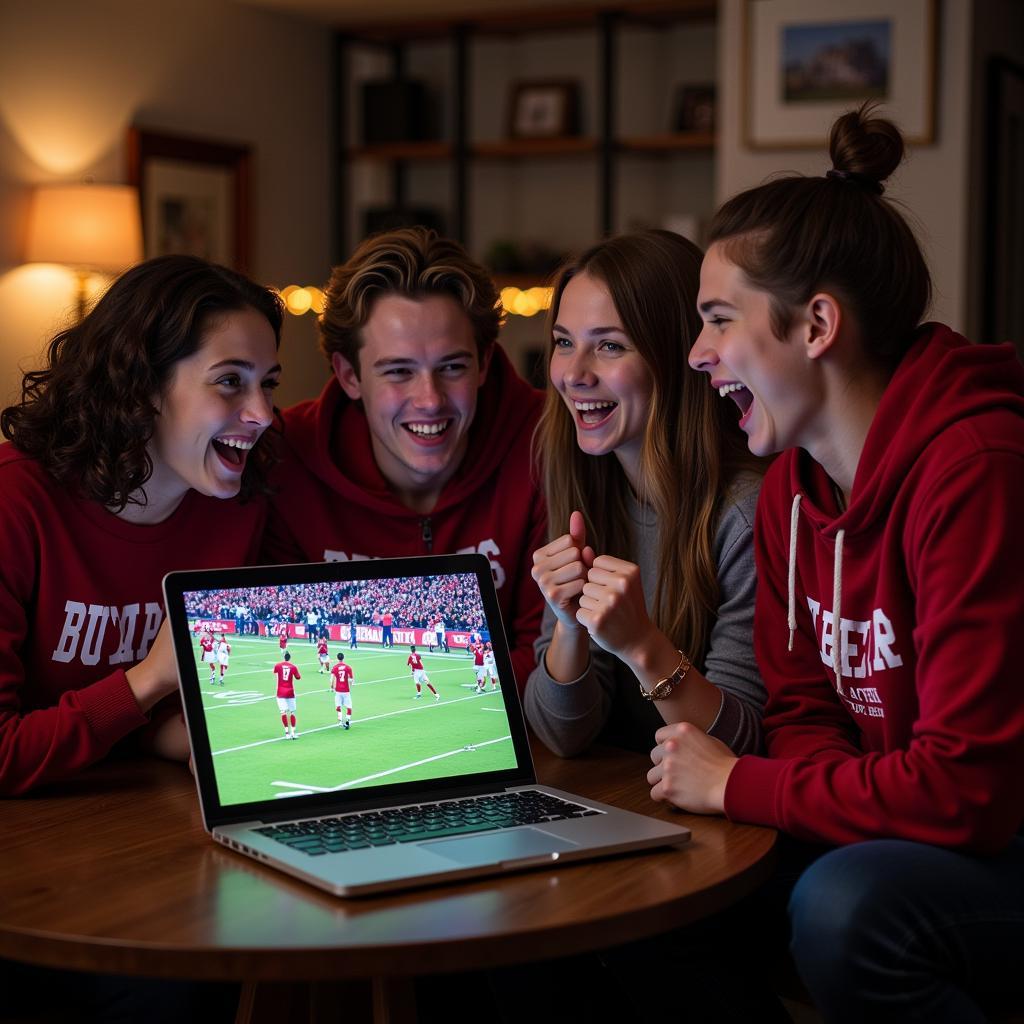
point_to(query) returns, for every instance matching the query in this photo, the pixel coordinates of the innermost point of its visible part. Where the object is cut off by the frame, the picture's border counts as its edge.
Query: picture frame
(543, 109)
(694, 108)
(809, 61)
(195, 195)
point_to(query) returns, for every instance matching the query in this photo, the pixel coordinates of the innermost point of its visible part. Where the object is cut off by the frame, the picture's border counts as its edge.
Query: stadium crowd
(414, 602)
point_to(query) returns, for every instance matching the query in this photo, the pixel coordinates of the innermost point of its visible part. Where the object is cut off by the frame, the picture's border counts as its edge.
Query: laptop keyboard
(423, 821)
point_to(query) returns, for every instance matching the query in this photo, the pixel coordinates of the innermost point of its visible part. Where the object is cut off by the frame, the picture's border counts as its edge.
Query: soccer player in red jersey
(419, 674)
(209, 656)
(282, 637)
(323, 655)
(286, 674)
(343, 678)
(223, 655)
(477, 650)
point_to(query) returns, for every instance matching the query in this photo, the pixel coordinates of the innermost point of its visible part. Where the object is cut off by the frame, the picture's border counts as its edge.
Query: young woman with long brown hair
(649, 579)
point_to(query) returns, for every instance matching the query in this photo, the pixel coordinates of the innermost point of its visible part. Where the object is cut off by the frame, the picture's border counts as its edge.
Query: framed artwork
(194, 194)
(543, 110)
(808, 61)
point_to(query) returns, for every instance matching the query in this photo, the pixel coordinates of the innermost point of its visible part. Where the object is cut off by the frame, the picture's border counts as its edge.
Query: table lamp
(86, 227)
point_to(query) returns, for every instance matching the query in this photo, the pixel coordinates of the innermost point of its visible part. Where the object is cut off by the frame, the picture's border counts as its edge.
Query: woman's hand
(560, 570)
(613, 610)
(691, 769)
(157, 674)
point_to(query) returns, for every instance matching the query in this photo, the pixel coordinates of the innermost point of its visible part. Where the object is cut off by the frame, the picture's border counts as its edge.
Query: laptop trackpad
(514, 844)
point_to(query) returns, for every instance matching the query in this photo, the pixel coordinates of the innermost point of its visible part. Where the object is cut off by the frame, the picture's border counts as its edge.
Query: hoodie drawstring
(837, 589)
(794, 519)
(837, 597)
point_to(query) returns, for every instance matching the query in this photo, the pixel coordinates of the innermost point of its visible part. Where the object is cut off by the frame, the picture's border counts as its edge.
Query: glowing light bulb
(542, 297)
(299, 301)
(317, 300)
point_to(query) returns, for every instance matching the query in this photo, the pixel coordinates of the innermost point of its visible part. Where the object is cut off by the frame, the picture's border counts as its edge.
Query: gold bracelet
(663, 687)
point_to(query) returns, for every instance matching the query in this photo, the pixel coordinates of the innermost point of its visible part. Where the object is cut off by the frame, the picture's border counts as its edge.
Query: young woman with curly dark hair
(145, 413)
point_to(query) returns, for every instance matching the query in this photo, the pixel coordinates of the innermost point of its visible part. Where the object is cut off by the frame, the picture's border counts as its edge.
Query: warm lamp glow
(526, 303)
(299, 301)
(95, 227)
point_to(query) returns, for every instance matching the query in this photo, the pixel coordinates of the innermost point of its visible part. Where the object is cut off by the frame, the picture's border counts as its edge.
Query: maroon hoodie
(332, 503)
(920, 733)
(80, 603)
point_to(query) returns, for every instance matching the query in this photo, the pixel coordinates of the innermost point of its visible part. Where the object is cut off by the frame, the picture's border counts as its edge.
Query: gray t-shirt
(605, 701)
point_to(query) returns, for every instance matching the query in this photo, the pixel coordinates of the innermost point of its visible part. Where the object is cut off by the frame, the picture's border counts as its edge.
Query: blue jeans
(891, 930)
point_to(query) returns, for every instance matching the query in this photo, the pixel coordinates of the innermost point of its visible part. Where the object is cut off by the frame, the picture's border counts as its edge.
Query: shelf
(513, 149)
(670, 142)
(619, 162)
(432, 150)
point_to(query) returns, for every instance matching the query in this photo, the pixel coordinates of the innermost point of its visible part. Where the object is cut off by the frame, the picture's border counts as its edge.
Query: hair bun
(865, 148)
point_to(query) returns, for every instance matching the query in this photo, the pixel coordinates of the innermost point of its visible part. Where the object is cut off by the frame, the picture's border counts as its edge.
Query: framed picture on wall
(808, 61)
(194, 194)
(543, 110)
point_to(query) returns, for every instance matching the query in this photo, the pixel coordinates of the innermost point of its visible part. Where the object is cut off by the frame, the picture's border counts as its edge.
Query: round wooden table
(113, 873)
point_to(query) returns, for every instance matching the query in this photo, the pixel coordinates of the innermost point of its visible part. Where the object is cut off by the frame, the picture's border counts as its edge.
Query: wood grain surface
(113, 872)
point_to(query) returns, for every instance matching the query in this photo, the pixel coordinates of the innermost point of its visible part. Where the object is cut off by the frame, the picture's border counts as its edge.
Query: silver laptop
(357, 725)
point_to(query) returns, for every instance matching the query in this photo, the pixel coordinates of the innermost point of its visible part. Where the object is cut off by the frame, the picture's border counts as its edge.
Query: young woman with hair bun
(890, 606)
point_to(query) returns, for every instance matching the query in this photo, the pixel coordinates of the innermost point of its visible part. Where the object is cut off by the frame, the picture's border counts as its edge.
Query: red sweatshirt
(921, 734)
(332, 503)
(80, 602)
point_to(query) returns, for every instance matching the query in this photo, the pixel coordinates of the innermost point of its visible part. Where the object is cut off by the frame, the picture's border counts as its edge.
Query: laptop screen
(343, 678)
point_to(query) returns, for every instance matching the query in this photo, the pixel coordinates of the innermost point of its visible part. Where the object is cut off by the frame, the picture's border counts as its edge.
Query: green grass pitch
(393, 738)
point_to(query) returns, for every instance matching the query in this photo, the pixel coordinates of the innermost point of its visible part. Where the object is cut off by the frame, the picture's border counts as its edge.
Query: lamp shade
(94, 226)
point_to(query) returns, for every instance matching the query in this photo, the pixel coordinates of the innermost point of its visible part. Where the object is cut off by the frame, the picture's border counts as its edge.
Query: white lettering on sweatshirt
(85, 627)
(488, 548)
(868, 646)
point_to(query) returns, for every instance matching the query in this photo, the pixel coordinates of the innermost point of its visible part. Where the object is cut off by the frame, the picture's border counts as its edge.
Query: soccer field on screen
(393, 738)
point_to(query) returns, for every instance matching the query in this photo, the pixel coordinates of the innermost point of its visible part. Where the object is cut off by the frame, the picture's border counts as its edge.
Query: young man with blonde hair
(420, 441)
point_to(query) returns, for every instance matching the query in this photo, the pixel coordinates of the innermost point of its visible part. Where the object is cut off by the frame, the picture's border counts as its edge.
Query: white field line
(379, 775)
(361, 721)
(248, 697)
(223, 698)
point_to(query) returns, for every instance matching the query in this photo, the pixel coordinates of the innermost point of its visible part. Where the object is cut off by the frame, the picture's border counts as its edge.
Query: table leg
(309, 1002)
(394, 1000)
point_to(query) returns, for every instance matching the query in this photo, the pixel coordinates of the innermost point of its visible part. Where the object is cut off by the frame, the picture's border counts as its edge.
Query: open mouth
(740, 394)
(233, 450)
(428, 431)
(593, 413)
